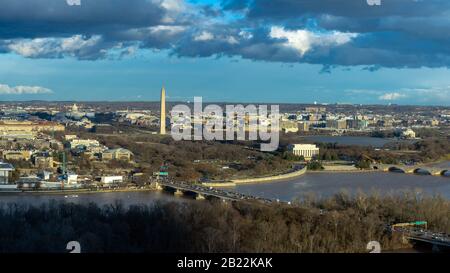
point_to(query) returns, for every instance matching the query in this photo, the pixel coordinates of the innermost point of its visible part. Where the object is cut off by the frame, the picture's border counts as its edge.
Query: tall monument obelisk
(162, 129)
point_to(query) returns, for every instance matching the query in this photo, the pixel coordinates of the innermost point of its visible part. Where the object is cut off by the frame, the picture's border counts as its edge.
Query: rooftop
(6, 166)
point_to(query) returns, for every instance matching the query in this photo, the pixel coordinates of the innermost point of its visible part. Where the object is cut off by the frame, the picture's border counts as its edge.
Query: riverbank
(76, 191)
(344, 171)
(235, 182)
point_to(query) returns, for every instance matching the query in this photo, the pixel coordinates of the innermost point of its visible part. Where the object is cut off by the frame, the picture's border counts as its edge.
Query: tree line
(341, 223)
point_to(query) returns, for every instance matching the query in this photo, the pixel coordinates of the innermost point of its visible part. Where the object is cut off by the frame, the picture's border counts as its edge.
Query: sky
(271, 51)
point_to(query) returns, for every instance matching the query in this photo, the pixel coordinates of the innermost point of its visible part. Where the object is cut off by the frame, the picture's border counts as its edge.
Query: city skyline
(230, 51)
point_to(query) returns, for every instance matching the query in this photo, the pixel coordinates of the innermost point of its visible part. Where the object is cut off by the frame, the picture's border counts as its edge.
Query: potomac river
(321, 184)
(324, 184)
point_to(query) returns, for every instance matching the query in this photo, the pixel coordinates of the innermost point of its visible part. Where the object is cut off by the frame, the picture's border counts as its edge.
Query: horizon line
(222, 102)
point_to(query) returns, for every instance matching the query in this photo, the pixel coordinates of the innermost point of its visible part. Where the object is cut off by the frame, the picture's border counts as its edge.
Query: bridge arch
(396, 169)
(422, 171)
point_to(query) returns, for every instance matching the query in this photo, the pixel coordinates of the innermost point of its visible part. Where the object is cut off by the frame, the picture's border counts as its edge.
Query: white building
(5, 170)
(84, 142)
(111, 179)
(72, 178)
(308, 151)
(408, 133)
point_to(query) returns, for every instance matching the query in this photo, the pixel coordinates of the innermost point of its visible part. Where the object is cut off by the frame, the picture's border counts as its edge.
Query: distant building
(117, 154)
(43, 162)
(358, 124)
(83, 142)
(44, 175)
(111, 179)
(315, 109)
(70, 137)
(16, 155)
(434, 122)
(69, 179)
(5, 170)
(72, 178)
(289, 126)
(303, 126)
(29, 182)
(408, 133)
(27, 127)
(385, 123)
(339, 124)
(308, 151)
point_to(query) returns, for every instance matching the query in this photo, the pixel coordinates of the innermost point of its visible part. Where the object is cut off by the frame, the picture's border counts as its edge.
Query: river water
(352, 140)
(105, 198)
(327, 184)
(320, 184)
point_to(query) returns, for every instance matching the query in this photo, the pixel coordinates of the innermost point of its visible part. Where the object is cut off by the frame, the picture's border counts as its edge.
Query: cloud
(53, 29)
(19, 90)
(304, 40)
(392, 96)
(82, 47)
(439, 95)
(397, 34)
(204, 36)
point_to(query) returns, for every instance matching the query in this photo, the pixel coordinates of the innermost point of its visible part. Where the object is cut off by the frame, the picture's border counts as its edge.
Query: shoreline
(79, 191)
(232, 183)
(344, 171)
(265, 179)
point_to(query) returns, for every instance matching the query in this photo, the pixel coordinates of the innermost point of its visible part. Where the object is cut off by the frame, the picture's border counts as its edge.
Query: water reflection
(320, 184)
(126, 198)
(327, 184)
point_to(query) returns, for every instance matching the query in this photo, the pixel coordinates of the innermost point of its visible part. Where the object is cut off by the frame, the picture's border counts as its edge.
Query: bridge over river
(202, 192)
(439, 241)
(417, 169)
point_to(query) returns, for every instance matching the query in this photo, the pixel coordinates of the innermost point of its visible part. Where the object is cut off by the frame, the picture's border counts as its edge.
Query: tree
(363, 164)
(14, 176)
(314, 166)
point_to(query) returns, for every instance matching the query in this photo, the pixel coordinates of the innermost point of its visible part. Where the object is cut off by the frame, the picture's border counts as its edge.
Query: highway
(214, 192)
(420, 235)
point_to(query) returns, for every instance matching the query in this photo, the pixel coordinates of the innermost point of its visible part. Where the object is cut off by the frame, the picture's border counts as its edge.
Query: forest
(341, 223)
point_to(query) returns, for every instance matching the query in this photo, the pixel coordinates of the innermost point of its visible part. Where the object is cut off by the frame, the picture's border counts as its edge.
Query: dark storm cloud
(37, 18)
(283, 9)
(50, 28)
(399, 33)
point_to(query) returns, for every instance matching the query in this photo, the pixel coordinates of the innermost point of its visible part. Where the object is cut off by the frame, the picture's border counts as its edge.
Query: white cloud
(304, 40)
(245, 34)
(171, 30)
(204, 36)
(19, 90)
(439, 94)
(232, 40)
(53, 47)
(174, 9)
(173, 5)
(392, 96)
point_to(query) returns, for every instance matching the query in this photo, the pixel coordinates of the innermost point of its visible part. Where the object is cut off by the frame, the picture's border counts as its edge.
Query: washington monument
(162, 129)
